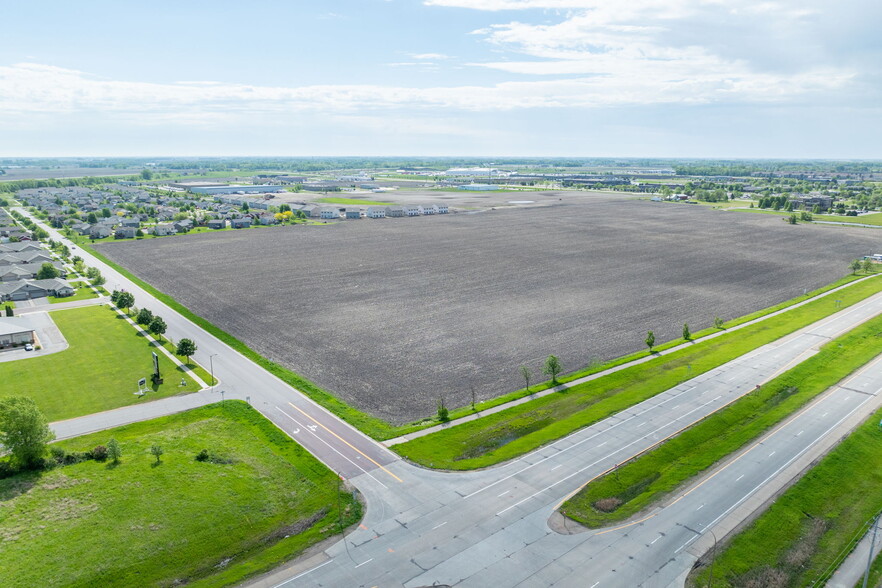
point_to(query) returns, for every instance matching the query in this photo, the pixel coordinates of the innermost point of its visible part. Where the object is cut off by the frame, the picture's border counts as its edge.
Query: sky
(570, 78)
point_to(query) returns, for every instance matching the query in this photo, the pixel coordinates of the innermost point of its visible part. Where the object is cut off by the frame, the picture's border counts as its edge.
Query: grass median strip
(799, 540)
(517, 430)
(255, 500)
(639, 483)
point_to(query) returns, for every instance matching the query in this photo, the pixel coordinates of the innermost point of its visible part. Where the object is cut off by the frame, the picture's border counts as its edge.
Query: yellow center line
(346, 442)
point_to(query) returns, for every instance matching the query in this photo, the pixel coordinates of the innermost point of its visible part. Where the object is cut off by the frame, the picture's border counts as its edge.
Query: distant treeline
(15, 185)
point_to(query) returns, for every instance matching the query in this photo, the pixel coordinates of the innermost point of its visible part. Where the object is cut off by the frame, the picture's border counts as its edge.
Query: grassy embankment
(260, 501)
(799, 540)
(99, 371)
(517, 430)
(353, 201)
(640, 483)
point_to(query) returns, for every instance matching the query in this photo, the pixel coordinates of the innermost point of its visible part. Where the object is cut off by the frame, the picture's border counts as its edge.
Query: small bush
(203, 455)
(99, 453)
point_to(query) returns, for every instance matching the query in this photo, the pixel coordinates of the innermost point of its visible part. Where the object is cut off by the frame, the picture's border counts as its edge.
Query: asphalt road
(491, 527)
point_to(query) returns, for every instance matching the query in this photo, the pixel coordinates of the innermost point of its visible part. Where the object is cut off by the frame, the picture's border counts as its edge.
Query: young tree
(186, 348)
(526, 374)
(157, 327)
(47, 271)
(24, 430)
(105, 212)
(125, 300)
(718, 322)
(92, 218)
(650, 340)
(114, 451)
(145, 317)
(855, 266)
(867, 265)
(686, 334)
(443, 413)
(156, 450)
(92, 272)
(9, 311)
(552, 368)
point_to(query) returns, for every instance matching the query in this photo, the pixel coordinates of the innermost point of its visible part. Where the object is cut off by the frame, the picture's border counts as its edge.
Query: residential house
(412, 210)
(217, 223)
(442, 208)
(329, 213)
(430, 209)
(27, 289)
(164, 230)
(16, 331)
(353, 213)
(130, 222)
(99, 231)
(267, 219)
(395, 211)
(125, 233)
(182, 226)
(376, 212)
(240, 223)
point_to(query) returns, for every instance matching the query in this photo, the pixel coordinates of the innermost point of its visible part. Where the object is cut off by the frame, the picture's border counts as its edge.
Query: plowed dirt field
(391, 314)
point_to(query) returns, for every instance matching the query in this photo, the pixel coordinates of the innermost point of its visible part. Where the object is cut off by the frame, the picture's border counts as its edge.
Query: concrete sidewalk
(852, 570)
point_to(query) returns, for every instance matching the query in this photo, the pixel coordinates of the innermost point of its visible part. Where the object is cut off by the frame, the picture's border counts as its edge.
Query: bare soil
(391, 314)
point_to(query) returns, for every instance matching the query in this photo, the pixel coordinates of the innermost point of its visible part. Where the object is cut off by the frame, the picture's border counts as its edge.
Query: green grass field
(353, 201)
(797, 540)
(640, 483)
(181, 521)
(99, 370)
(520, 429)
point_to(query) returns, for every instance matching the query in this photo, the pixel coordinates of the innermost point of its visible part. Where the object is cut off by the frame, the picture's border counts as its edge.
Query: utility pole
(872, 546)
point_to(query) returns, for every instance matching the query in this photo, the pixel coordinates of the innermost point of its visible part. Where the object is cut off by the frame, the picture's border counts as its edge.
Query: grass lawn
(353, 201)
(99, 370)
(181, 521)
(800, 536)
(520, 429)
(866, 219)
(640, 483)
(82, 293)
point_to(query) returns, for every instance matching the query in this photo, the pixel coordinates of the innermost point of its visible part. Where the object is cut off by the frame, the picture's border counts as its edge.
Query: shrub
(99, 453)
(203, 455)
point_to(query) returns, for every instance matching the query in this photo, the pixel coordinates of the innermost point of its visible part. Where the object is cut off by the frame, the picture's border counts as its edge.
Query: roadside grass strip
(520, 429)
(258, 499)
(641, 482)
(799, 540)
(98, 371)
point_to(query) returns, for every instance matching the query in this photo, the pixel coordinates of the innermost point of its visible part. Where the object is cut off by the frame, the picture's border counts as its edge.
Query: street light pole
(872, 546)
(713, 558)
(211, 361)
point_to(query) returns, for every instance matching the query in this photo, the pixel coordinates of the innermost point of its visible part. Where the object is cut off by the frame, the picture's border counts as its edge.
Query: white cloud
(430, 56)
(34, 88)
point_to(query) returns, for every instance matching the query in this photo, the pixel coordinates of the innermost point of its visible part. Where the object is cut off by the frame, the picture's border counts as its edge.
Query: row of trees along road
(154, 324)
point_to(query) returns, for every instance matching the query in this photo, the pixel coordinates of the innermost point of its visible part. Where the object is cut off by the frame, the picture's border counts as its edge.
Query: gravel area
(391, 314)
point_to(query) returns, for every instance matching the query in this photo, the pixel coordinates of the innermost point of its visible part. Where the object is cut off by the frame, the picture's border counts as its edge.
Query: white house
(376, 212)
(430, 209)
(329, 213)
(412, 210)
